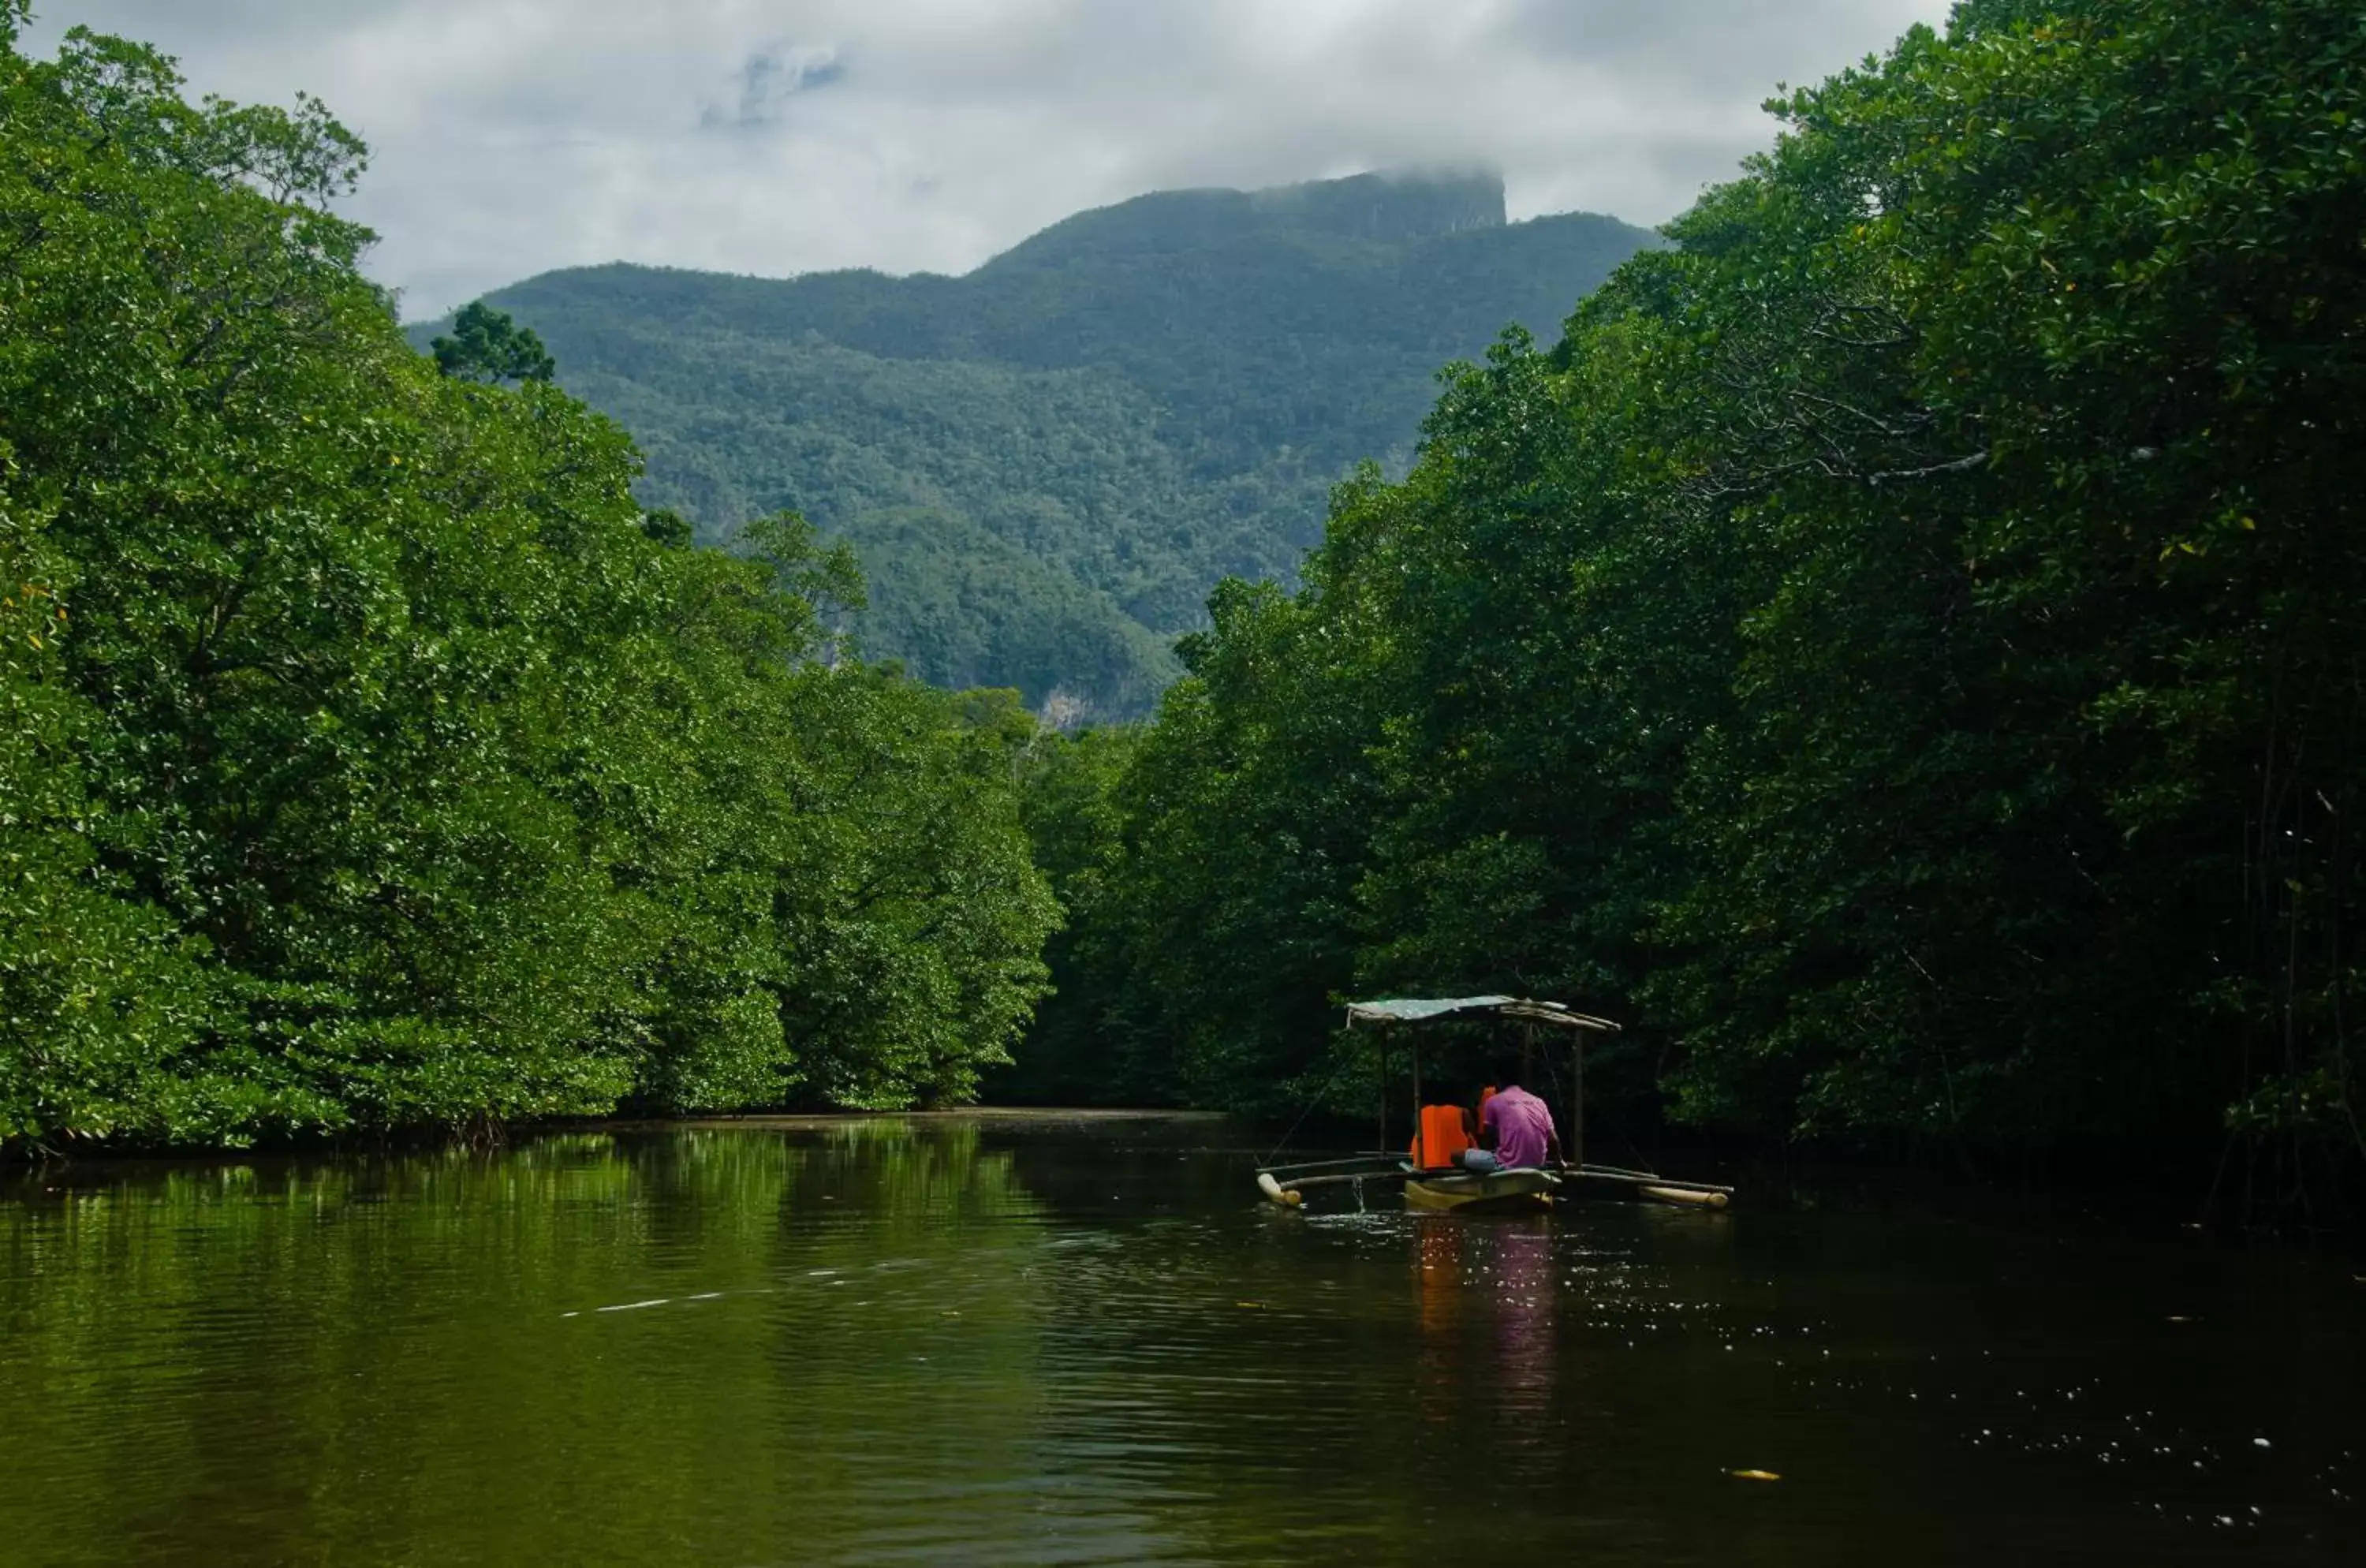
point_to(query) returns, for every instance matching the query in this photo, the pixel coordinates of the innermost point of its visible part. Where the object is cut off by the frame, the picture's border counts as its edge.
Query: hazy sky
(778, 136)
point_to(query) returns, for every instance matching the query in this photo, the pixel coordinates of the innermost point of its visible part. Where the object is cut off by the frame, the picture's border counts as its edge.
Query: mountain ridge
(1045, 462)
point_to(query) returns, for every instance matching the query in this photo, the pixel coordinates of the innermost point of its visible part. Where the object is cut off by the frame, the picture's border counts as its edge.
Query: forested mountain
(1045, 464)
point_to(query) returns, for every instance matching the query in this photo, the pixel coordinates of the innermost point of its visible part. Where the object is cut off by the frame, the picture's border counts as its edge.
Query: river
(1039, 1339)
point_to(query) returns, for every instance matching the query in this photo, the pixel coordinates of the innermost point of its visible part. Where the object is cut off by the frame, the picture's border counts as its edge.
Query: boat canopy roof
(1424, 1010)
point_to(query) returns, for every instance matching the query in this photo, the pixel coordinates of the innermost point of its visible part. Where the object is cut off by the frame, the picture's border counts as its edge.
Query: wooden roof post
(1419, 1154)
(1577, 1096)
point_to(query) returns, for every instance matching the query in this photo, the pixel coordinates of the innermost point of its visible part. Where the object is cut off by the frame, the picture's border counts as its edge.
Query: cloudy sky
(779, 136)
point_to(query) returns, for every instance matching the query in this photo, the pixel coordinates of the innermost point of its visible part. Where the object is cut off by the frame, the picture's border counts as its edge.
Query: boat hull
(1495, 1193)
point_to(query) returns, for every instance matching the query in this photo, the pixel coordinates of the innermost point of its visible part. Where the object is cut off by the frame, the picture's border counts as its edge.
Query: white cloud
(780, 136)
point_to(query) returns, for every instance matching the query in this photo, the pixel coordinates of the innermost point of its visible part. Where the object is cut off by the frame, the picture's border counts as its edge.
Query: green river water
(1042, 1339)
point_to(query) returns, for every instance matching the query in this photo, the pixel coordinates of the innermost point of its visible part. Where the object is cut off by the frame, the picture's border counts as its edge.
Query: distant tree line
(1904, 650)
(370, 760)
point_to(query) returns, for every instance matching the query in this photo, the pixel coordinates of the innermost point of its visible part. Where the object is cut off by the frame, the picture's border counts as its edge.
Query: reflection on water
(1525, 1296)
(1028, 1340)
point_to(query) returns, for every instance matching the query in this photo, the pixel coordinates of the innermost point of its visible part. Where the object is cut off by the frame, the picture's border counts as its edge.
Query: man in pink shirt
(1519, 1128)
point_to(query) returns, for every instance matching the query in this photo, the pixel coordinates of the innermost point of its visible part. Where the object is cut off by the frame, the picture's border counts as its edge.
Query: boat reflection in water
(1439, 1293)
(1489, 1306)
(1526, 1305)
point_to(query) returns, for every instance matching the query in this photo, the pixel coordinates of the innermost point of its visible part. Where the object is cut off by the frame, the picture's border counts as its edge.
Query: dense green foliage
(1901, 648)
(1047, 463)
(486, 345)
(372, 759)
(1079, 1051)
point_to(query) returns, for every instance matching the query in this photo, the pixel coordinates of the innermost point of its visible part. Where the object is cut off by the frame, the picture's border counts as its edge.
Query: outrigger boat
(1434, 1184)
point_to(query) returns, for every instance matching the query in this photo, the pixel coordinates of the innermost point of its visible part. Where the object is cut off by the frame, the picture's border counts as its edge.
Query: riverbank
(1014, 1115)
(1929, 1191)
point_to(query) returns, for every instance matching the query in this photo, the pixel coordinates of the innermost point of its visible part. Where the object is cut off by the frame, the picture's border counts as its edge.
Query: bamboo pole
(1690, 1197)
(1418, 1151)
(1622, 1170)
(1343, 1161)
(1638, 1179)
(1276, 1192)
(1340, 1179)
(1577, 1096)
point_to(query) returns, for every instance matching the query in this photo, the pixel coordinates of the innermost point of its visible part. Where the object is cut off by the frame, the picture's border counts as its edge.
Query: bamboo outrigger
(1457, 1188)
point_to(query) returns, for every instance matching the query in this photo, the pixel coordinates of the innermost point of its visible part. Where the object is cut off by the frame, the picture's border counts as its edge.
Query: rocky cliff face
(1407, 206)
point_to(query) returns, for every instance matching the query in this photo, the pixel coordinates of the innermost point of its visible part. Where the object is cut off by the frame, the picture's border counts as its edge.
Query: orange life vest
(1444, 1133)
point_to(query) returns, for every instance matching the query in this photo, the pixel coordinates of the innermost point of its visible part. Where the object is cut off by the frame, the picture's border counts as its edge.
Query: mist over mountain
(1045, 464)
